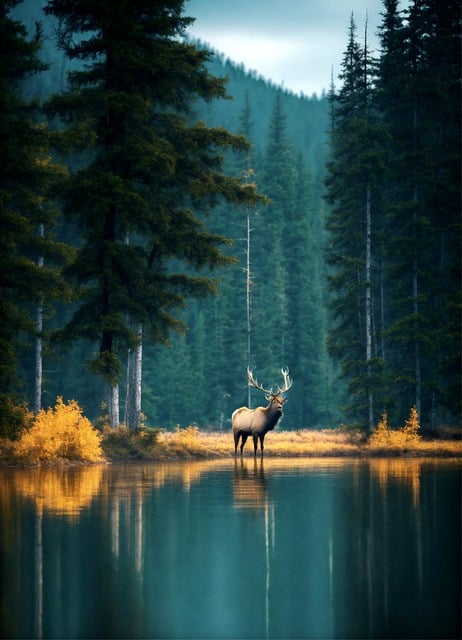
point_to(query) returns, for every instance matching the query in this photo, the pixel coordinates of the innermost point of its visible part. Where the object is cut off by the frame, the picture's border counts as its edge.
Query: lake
(294, 548)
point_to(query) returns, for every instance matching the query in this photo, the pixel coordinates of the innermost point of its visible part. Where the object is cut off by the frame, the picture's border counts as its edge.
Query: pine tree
(353, 181)
(28, 253)
(152, 174)
(418, 75)
(246, 129)
(307, 329)
(270, 297)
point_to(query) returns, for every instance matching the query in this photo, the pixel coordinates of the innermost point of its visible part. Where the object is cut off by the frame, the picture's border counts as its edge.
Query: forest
(170, 219)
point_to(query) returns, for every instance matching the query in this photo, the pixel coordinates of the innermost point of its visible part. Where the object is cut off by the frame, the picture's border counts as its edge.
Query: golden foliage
(383, 437)
(62, 433)
(412, 425)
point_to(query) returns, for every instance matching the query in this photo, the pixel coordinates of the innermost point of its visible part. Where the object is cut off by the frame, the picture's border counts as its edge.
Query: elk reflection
(250, 491)
(249, 484)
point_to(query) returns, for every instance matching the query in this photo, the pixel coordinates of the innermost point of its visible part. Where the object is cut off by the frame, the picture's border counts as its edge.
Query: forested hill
(306, 118)
(205, 372)
(201, 377)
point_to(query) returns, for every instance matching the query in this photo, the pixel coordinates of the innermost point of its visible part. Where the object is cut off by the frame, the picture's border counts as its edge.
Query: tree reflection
(63, 492)
(403, 470)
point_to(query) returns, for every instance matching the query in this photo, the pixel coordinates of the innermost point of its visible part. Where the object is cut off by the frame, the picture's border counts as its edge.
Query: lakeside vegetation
(63, 435)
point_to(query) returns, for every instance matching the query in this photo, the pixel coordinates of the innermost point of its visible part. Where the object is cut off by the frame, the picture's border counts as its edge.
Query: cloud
(292, 43)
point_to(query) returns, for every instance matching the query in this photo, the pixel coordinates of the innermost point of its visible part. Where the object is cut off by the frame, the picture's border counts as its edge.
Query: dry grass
(193, 443)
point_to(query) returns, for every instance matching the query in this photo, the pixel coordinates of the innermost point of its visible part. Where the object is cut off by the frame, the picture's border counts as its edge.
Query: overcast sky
(294, 43)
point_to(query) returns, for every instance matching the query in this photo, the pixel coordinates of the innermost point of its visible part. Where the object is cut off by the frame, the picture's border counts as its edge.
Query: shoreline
(124, 447)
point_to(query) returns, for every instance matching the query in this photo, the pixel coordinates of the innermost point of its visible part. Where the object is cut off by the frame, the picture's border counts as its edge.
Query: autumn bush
(383, 437)
(60, 433)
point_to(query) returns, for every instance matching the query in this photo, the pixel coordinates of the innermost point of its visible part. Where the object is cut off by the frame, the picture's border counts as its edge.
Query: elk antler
(287, 381)
(253, 383)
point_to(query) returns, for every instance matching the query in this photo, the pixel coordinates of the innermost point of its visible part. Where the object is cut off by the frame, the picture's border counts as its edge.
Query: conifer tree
(152, 174)
(246, 127)
(28, 252)
(413, 155)
(354, 175)
(418, 75)
(270, 299)
(306, 335)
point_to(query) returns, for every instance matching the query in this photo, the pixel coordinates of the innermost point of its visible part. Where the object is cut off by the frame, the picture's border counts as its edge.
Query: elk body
(257, 422)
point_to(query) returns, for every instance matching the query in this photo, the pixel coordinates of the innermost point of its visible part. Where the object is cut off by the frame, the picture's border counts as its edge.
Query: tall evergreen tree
(354, 177)
(418, 75)
(270, 297)
(28, 252)
(150, 171)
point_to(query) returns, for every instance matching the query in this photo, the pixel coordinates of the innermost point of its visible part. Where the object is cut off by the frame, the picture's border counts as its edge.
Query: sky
(294, 43)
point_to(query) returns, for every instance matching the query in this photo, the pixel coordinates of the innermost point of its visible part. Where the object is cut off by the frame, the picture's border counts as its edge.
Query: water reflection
(63, 491)
(68, 491)
(249, 484)
(402, 470)
(250, 491)
(250, 548)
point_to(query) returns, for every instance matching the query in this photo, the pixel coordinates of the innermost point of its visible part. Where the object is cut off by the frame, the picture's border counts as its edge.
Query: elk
(257, 422)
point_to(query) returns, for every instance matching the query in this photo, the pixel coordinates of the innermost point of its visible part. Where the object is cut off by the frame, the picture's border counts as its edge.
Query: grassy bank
(62, 435)
(191, 443)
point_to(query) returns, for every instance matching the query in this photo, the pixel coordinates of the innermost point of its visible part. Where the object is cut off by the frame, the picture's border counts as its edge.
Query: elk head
(276, 399)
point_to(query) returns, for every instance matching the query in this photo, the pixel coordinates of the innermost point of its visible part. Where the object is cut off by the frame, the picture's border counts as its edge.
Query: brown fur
(256, 422)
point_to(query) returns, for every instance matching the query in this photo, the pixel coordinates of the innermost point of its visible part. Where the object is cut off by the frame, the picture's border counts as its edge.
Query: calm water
(218, 549)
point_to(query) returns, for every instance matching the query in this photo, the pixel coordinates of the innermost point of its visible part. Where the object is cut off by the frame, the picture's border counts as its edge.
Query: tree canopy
(134, 201)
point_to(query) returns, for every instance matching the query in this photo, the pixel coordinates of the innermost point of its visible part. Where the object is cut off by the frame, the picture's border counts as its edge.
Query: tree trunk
(134, 384)
(248, 304)
(138, 375)
(39, 342)
(38, 359)
(415, 312)
(128, 385)
(415, 281)
(113, 406)
(370, 399)
(382, 311)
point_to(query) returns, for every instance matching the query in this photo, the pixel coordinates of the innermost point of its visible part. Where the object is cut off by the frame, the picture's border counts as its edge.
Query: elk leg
(262, 438)
(255, 444)
(237, 435)
(243, 441)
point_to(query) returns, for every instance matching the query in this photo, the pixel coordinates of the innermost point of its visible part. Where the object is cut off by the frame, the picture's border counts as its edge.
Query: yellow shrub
(60, 433)
(382, 436)
(412, 426)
